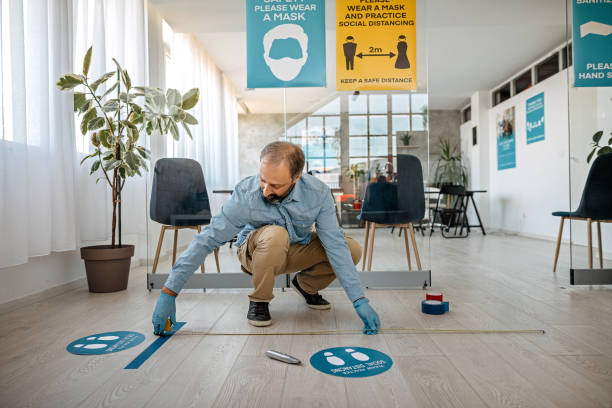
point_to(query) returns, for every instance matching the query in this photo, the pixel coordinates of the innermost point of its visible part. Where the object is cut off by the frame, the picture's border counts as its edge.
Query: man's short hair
(276, 152)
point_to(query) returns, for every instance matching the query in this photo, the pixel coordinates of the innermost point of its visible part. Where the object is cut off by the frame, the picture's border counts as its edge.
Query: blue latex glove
(165, 307)
(369, 317)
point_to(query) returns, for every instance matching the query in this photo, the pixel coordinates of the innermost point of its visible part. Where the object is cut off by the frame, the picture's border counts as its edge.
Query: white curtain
(47, 201)
(215, 139)
(37, 154)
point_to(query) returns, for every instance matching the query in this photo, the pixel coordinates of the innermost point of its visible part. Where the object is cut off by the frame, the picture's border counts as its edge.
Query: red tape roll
(434, 296)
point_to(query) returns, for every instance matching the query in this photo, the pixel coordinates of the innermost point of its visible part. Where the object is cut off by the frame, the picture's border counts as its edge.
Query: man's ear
(295, 180)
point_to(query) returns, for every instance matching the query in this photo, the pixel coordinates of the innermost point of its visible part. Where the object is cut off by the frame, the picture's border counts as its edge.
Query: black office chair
(399, 204)
(179, 201)
(452, 214)
(595, 205)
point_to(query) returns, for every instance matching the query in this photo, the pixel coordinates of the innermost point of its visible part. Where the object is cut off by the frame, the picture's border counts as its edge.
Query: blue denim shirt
(309, 202)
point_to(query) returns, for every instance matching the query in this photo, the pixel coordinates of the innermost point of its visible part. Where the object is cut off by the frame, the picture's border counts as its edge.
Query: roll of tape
(433, 307)
(434, 296)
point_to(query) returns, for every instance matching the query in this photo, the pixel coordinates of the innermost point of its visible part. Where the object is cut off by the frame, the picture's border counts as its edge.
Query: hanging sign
(592, 42)
(506, 141)
(351, 361)
(535, 118)
(285, 43)
(375, 45)
(104, 343)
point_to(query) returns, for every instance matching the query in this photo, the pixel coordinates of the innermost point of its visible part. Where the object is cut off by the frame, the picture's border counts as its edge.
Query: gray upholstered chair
(179, 201)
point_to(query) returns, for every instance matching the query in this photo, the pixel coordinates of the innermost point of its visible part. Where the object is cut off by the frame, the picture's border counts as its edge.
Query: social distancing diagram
(376, 45)
(351, 361)
(104, 343)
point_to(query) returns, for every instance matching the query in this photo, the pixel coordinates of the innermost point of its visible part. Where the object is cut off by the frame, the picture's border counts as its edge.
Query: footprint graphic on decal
(331, 359)
(357, 355)
(95, 346)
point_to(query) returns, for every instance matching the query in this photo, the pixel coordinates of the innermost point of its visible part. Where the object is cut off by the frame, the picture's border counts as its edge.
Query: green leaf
(173, 97)
(190, 98)
(141, 151)
(604, 150)
(87, 157)
(86, 106)
(101, 80)
(590, 156)
(69, 81)
(89, 115)
(111, 105)
(118, 65)
(87, 61)
(132, 160)
(190, 119)
(95, 166)
(174, 130)
(96, 123)
(125, 77)
(111, 89)
(187, 130)
(105, 136)
(597, 136)
(112, 164)
(610, 141)
(79, 100)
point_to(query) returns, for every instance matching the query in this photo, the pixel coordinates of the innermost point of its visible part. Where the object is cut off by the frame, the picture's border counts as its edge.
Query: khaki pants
(267, 253)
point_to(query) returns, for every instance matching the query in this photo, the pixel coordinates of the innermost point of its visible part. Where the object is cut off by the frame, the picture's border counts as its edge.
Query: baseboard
(43, 295)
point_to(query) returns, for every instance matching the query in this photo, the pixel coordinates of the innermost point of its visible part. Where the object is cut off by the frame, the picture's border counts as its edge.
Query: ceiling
(468, 45)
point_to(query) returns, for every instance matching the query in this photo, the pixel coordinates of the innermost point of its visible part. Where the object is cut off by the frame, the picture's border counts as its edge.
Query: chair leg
(590, 241)
(174, 246)
(599, 244)
(407, 247)
(414, 245)
(558, 244)
(201, 266)
(216, 252)
(365, 246)
(159, 245)
(371, 244)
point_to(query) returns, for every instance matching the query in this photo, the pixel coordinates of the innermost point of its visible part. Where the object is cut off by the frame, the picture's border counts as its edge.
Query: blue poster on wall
(592, 42)
(506, 140)
(285, 43)
(535, 118)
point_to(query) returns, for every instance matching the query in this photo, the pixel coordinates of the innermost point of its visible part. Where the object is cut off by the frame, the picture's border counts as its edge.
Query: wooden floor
(497, 282)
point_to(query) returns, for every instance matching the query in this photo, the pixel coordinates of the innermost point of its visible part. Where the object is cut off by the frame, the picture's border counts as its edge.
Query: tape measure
(434, 304)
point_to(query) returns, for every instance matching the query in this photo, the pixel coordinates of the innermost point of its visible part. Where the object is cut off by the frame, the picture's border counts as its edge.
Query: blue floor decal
(142, 357)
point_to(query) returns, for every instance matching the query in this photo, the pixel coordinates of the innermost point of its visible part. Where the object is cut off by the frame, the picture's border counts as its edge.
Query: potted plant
(607, 148)
(115, 123)
(354, 172)
(449, 167)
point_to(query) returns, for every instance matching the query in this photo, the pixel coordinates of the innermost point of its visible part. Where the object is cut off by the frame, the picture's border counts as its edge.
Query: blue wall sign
(104, 343)
(535, 118)
(285, 43)
(351, 361)
(506, 140)
(592, 42)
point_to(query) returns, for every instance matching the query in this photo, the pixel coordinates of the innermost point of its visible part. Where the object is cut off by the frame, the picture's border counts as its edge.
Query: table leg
(478, 215)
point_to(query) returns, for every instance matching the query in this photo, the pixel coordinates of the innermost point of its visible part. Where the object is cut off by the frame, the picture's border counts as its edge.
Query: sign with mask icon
(285, 43)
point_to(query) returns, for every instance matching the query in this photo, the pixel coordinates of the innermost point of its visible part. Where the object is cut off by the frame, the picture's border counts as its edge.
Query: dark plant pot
(107, 268)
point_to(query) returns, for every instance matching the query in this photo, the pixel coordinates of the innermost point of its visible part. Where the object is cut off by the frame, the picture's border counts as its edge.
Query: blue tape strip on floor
(144, 356)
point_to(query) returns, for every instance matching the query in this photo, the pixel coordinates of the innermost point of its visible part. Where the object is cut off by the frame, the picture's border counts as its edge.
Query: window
(547, 68)
(319, 137)
(466, 114)
(522, 82)
(501, 94)
(566, 56)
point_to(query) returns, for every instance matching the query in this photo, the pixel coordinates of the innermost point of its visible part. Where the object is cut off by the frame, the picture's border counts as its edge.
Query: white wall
(522, 199)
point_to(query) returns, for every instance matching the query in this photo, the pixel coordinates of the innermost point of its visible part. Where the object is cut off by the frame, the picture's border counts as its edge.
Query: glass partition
(590, 167)
(371, 148)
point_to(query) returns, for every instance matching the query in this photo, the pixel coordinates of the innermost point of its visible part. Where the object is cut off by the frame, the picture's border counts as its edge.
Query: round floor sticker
(351, 361)
(104, 343)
